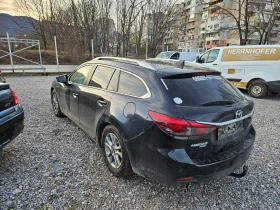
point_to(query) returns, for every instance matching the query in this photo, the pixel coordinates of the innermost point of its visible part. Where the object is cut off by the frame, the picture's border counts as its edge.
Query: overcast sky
(9, 7)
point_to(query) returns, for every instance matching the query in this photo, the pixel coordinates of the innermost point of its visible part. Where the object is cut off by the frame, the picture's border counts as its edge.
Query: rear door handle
(101, 102)
(75, 95)
(214, 64)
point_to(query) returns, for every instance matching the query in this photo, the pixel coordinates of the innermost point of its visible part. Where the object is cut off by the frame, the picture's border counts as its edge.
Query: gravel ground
(55, 165)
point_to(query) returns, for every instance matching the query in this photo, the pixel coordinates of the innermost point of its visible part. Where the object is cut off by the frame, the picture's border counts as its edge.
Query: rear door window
(101, 77)
(201, 90)
(131, 85)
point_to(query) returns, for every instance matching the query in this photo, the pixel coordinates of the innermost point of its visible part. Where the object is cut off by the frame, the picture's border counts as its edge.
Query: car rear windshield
(202, 90)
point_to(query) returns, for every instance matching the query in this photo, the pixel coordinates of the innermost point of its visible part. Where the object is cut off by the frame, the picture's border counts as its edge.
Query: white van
(253, 67)
(175, 55)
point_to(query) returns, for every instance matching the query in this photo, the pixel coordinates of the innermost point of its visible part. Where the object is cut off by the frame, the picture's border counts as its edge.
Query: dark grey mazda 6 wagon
(164, 123)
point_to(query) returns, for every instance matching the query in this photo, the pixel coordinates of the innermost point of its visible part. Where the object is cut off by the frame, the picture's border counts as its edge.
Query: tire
(55, 105)
(115, 153)
(258, 89)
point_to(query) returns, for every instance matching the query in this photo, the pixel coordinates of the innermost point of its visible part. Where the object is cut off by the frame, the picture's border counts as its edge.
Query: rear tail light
(180, 127)
(189, 178)
(14, 98)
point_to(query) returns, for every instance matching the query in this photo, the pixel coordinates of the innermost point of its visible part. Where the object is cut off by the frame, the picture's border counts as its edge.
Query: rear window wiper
(217, 103)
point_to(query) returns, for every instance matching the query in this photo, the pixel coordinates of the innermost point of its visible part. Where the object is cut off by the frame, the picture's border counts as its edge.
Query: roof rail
(128, 61)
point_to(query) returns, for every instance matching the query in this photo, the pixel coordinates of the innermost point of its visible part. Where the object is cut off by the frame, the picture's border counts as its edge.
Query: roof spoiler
(167, 62)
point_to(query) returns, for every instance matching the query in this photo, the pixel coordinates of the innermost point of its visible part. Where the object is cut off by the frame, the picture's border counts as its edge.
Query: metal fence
(30, 44)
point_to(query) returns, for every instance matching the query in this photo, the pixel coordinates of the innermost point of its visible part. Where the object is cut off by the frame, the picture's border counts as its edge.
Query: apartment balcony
(213, 38)
(211, 44)
(214, 20)
(204, 17)
(168, 41)
(167, 36)
(189, 5)
(212, 30)
(190, 27)
(202, 25)
(191, 20)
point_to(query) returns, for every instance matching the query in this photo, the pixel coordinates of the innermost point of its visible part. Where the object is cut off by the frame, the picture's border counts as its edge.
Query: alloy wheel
(113, 150)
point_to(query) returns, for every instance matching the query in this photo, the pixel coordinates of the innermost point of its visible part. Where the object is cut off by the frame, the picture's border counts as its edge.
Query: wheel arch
(99, 131)
(254, 79)
(52, 89)
(103, 122)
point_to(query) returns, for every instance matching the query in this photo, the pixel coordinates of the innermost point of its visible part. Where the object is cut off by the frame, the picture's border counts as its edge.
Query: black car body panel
(274, 86)
(11, 116)
(153, 153)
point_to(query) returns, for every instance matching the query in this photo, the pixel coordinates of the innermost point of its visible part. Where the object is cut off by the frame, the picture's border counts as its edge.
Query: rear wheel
(114, 152)
(55, 105)
(258, 89)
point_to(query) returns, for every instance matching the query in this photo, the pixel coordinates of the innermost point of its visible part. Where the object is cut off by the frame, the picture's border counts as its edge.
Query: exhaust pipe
(242, 174)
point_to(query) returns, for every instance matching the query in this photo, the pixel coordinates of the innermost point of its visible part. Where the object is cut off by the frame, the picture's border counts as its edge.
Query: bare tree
(36, 9)
(239, 16)
(139, 29)
(163, 14)
(127, 13)
(267, 13)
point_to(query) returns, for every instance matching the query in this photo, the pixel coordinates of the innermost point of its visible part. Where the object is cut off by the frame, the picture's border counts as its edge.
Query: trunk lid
(208, 98)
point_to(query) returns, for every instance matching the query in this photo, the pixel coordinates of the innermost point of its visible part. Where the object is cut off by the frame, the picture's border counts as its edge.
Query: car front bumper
(11, 125)
(170, 165)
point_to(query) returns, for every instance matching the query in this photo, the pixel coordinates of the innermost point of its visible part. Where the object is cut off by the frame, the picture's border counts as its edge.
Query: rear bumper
(274, 86)
(11, 125)
(169, 165)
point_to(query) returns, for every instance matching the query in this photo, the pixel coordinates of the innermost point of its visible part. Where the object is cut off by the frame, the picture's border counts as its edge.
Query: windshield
(191, 58)
(164, 55)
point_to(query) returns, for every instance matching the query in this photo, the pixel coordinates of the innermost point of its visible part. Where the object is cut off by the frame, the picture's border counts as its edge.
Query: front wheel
(55, 105)
(115, 153)
(258, 89)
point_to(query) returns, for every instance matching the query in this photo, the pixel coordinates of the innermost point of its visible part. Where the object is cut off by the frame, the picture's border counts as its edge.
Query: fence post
(146, 49)
(92, 50)
(56, 53)
(10, 52)
(39, 47)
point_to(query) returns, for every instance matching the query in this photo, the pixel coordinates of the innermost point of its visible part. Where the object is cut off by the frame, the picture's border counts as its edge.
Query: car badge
(238, 114)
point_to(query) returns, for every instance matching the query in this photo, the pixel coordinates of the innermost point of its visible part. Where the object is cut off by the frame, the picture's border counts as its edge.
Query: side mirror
(198, 59)
(62, 79)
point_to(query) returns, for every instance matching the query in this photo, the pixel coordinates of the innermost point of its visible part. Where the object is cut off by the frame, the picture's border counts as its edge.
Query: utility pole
(92, 49)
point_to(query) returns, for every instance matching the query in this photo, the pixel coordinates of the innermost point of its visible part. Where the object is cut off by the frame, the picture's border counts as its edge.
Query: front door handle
(75, 95)
(214, 64)
(101, 102)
